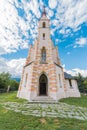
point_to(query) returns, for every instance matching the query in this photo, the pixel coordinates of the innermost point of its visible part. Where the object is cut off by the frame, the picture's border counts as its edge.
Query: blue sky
(19, 26)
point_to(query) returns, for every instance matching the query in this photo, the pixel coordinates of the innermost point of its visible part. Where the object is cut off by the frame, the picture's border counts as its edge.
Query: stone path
(62, 110)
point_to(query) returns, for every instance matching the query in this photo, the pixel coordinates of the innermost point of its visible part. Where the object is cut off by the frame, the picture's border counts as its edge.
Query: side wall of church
(25, 84)
(60, 83)
(72, 91)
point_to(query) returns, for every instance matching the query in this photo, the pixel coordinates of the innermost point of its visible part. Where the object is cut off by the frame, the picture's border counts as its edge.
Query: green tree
(14, 85)
(82, 83)
(85, 85)
(4, 80)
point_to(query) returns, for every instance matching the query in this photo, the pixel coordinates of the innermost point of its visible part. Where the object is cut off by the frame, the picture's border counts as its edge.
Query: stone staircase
(43, 99)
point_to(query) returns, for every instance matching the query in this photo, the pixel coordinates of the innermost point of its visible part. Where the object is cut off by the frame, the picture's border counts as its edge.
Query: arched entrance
(43, 85)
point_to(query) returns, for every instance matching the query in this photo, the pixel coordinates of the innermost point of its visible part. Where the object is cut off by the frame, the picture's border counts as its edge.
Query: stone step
(43, 99)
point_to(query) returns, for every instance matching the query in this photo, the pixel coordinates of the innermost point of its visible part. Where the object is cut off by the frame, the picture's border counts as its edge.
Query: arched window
(43, 55)
(60, 83)
(44, 24)
(25, 82)
(70, 83)
(43, 36)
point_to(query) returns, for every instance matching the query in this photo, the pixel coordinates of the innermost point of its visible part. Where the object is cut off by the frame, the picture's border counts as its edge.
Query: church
(43, 77)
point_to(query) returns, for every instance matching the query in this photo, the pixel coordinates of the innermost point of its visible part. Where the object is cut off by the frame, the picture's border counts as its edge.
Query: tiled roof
(68, 76)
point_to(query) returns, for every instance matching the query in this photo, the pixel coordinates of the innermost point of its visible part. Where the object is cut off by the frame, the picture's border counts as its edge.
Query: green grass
(10, 97)
(82, 102)
(10, 120)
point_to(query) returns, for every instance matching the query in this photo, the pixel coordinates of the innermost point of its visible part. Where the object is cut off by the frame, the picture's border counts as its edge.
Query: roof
(28, 64)
(68, 76)
(58, 65)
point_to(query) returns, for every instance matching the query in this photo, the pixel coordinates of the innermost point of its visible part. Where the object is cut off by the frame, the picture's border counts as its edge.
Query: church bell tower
(42, 74)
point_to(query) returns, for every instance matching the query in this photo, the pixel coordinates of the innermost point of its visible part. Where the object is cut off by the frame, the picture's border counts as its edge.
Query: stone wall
(72, 91)
(57, 87)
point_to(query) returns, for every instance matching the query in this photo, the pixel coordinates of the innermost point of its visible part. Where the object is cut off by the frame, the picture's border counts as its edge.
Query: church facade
(43, 74)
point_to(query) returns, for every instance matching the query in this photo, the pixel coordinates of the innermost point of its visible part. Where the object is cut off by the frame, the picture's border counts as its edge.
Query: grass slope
(82, 102)
(10, 120)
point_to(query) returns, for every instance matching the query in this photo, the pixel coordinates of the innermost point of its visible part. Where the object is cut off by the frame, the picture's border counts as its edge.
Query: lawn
(76, 101)
(10, 120)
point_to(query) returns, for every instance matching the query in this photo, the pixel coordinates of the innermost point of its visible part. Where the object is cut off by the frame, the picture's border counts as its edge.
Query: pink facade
(43, 74)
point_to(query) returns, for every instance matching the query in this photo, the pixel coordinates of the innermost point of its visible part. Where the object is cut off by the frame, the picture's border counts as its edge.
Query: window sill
(43, 62)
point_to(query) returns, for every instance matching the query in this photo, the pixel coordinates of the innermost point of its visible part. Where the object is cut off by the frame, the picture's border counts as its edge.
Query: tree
(4, 80)
(14, 85)
(82, 83)
(7, 84)
(85, 85)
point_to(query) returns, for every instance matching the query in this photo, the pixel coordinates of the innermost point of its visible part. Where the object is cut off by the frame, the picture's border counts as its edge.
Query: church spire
(44, 11)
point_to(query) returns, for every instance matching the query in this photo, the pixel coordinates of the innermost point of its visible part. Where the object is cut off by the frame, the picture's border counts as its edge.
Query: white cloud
(13, 27)
(63, 66)
(10, 23)
(62, 31)
(32, 5)
(76, 71)
(68, 53)
(50, 13)
(81, 42)
(82, 71)
(14, 66)
(71, 14)
(52, 4)
(57, 41)
(3, 66)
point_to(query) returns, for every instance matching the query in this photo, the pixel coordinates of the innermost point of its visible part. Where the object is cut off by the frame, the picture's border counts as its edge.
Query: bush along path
(59, 109)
